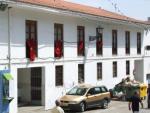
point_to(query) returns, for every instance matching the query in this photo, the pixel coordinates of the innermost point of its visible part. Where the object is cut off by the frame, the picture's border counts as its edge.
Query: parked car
(85, 96)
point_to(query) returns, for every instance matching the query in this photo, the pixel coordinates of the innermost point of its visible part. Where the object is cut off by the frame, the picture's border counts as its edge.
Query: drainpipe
(9, 41)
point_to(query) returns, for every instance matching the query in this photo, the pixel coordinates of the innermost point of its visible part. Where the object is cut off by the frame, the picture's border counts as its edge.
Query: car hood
(72, 98)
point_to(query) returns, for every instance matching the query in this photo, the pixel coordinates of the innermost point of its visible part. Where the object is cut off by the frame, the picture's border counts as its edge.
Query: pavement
(114, 107)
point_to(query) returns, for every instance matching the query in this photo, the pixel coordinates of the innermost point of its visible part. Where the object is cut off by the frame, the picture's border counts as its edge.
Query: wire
(117, 9)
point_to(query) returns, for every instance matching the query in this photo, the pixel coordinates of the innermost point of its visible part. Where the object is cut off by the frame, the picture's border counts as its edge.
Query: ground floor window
(114, 69)
(99, 71)
(127, 67)
(80, 73)
(59, 75)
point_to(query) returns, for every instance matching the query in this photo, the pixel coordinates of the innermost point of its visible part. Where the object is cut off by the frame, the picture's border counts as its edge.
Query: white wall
(3, 35)
(70, 61)
(146, 68)
(46, 34)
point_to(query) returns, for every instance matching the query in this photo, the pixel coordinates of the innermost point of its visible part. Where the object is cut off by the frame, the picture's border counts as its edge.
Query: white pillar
(13, 91)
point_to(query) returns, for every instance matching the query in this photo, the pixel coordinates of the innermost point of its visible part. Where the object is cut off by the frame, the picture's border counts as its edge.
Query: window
(127, 42)
(127, 67)
(114, 69)
(148, 76)
(99, 71)
(99, 42)
(31, 39)
(114, 42)
(59, 75)
(91, 91)
(138, 43)
(97, 90)
(103, 89)
(58, 40)
(81, 73)
(80, 40)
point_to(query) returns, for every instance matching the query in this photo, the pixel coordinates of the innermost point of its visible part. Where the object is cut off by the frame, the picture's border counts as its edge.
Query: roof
(64, 5)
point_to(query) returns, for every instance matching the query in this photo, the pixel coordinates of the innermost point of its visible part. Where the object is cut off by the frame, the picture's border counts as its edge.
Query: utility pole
(9, 40)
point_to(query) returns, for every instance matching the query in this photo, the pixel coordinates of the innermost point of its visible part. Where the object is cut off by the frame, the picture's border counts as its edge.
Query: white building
(119, 52)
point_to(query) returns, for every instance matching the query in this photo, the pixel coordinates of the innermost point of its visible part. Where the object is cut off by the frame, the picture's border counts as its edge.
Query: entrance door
(36, 83)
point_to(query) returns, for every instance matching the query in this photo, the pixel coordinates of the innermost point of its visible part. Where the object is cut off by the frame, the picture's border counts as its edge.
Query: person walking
(148, 94)
(57, 108)
(134, 103)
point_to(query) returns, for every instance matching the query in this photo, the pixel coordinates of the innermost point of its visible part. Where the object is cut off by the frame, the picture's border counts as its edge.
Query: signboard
(3, 108)
(92, 38)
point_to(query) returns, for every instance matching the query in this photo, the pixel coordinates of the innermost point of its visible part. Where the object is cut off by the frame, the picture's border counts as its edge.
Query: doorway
(36, 85)
(139, 71)
(30, 86)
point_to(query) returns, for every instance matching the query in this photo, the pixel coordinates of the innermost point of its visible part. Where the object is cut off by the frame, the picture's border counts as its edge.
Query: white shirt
(57, 109)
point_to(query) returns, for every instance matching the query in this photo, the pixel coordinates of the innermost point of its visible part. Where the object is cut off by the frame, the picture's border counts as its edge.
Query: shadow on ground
(90, 109)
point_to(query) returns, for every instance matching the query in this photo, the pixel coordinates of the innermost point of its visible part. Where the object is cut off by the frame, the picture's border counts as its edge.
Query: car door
(91, 98)
(98, 95)
(104, 92)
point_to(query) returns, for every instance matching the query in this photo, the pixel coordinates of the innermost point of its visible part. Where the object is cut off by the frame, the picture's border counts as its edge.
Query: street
(114, 107)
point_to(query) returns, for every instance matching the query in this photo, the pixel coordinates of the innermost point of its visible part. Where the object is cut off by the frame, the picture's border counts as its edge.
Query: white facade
(146, 57)
(45, 22)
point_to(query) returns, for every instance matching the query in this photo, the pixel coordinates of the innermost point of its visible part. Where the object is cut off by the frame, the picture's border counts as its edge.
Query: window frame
(114, 42)
(127, 67)
(99, 48)
(58, 26)
(28, 32)
(60, 74)
(127, 42)
(114, 69)
(99, 71)
(81, 73)
(80, 37)
(139, 43)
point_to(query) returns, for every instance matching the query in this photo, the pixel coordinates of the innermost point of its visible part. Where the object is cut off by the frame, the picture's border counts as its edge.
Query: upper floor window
(80, 73)
(59, 75)
(80, 40)
(127, 67)
(138, 43)
(99, 71)
(58, 40)
(31, 39)
(99, 42)
(114, 69)
(114, 42)
(127, 42)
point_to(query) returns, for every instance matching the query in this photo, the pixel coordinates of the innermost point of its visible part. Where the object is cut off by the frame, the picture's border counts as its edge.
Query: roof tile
(61, 4)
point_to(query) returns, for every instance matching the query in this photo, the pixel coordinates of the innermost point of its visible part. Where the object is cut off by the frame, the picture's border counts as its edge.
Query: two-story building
(52, 45)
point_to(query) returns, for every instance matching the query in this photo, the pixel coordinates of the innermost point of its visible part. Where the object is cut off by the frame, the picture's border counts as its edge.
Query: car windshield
(77, 91)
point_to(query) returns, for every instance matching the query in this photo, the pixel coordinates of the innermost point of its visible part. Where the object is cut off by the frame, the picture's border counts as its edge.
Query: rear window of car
(104, 89)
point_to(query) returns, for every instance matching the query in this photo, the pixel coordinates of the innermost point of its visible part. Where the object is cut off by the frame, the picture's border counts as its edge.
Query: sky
(139, 9)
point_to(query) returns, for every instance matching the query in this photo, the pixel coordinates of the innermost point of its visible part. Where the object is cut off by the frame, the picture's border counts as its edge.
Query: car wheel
(105, 104)
(82, 106)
